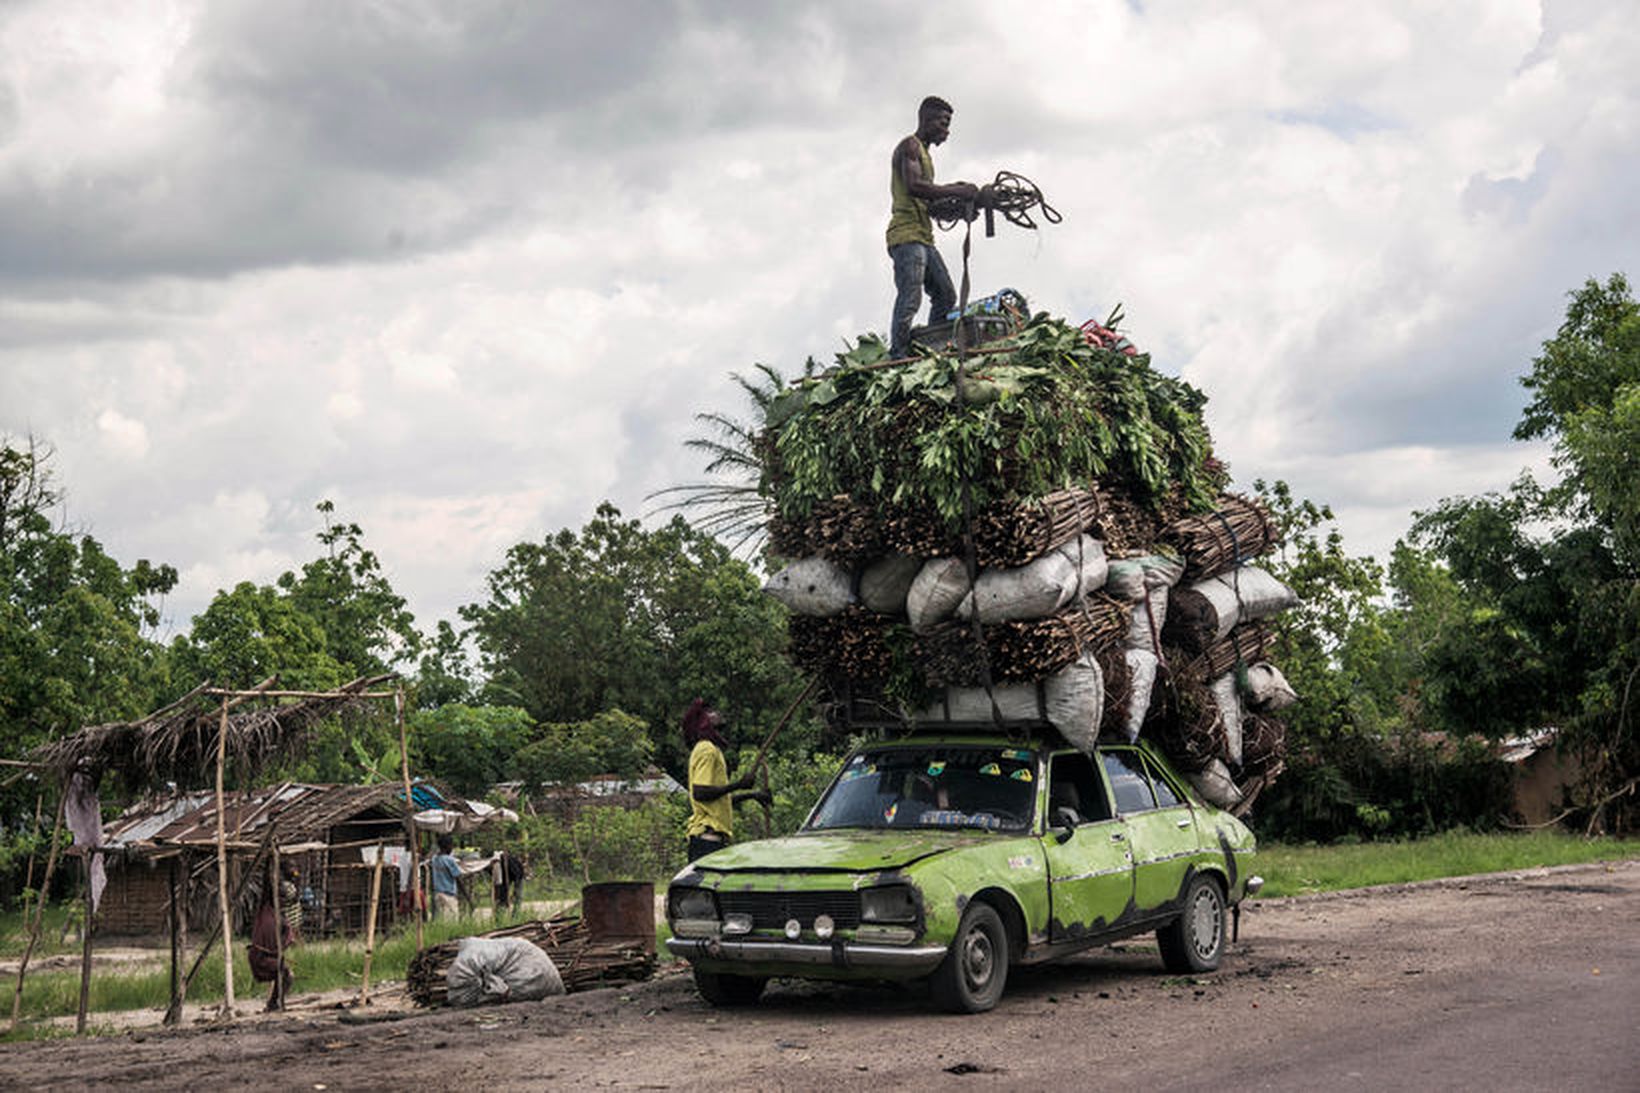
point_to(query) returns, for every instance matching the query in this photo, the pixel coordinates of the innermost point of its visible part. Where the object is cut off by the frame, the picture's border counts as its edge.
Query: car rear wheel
(971, 977)
(1194, 942)
(722, 989)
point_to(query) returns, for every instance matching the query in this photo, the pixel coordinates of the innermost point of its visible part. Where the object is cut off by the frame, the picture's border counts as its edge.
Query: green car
(955, 857)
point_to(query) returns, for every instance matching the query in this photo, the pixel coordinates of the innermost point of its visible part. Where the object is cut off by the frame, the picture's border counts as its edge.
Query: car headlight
(890, 903)
(692, 904)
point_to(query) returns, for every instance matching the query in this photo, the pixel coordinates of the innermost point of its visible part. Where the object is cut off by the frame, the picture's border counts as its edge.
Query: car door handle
(1185, 822)
(1117, 837)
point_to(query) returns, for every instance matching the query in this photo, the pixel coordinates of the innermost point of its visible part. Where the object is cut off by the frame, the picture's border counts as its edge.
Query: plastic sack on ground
(1072, 700)
(1037, 590)
(1268, 689)
(500, 969)
(1228, 703)
(940, 585)
(813, 586)
(885, 583)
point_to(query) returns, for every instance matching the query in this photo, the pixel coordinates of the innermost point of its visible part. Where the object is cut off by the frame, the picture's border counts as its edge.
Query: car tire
(1194, 942)
(723, 989)
(971, 977)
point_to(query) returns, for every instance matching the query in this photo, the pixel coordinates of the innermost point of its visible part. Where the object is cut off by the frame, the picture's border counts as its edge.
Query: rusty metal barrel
(620, 910)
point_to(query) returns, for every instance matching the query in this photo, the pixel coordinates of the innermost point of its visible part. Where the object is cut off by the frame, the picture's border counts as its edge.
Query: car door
(1090, 871)
(1161, 828)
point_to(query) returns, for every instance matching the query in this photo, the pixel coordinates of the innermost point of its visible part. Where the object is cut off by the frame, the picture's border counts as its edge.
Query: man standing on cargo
(917, 264)
(712, 796)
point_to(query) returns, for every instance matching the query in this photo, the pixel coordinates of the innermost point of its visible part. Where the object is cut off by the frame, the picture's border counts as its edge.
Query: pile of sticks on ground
(582, 961)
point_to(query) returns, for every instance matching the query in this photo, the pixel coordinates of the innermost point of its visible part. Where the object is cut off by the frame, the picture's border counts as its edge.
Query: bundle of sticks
(1246, 644)
(1239, 530)
(1028, 649)
(853, 644)
(1263, 744)
(582, 962)
(1014, 533)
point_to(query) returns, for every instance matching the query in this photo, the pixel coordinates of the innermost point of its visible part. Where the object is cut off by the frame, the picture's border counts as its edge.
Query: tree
(367, 626)
(1555, 572)
(469, 748)
(623, 617)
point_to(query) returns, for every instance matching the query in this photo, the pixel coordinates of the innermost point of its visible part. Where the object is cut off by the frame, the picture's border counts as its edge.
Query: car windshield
(940, 786)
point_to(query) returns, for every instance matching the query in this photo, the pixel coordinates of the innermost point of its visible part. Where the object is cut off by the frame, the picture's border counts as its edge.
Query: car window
(1128, 782)
(942, 785)
(1165, 796)
(1074, 784)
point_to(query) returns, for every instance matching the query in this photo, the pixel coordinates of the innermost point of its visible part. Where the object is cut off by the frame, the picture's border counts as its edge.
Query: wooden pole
(173, 1012)
(39, 913)
(28, 880)
(222, 869)
(238, 892)
(276, 998)
(85, 947)
(370, 923)
(409, 814)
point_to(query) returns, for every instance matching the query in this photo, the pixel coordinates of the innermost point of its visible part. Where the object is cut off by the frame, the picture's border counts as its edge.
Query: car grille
(771, 910)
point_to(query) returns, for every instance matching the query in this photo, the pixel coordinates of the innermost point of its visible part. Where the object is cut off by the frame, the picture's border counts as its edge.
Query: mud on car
(955, 858)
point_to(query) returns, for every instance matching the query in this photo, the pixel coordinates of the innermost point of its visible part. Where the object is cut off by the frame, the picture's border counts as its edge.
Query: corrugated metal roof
(301, 811)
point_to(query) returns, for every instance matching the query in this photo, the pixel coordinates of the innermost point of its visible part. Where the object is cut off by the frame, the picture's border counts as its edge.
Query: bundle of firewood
(582, 962)
(1238, 531)
(1022, 650)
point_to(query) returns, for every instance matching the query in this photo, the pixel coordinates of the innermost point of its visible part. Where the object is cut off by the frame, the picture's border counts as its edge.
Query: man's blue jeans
(916, 266)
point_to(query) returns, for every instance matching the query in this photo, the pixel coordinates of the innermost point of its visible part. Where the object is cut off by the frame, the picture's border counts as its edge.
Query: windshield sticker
(990, 768)
(1022, 755)
(888, 813)
(857, 760)
(1023, 774)
(936, 769)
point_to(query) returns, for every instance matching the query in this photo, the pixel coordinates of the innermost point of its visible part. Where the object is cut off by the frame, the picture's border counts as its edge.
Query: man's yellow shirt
(708, 768)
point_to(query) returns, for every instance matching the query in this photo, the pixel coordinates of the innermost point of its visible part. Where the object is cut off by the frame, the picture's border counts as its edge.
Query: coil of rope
(1011, 194)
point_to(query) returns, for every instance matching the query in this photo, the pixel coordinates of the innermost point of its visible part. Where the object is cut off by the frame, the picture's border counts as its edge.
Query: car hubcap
(1206, 923)
(978, 959)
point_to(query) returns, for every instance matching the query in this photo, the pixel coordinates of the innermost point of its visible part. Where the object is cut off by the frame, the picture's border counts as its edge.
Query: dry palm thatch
(179, 742)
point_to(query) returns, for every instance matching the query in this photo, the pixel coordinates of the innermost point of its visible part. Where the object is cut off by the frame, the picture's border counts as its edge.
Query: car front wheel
(1194, 942)
(722, 989)
(971, 977)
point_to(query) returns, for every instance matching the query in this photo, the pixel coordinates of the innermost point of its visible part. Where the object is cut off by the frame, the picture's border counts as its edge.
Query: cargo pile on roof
(1034, 532)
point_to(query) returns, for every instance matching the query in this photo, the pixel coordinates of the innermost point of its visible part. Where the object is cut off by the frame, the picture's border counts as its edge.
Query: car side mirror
(1064, 817)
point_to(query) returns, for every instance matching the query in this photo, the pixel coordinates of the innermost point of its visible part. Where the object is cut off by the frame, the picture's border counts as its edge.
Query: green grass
(318, 966)
(1297, 870)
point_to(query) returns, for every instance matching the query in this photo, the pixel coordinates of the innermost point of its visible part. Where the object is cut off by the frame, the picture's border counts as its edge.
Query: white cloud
(467, 284)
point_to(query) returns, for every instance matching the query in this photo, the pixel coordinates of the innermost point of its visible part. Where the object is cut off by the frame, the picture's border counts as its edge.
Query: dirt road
(1520, 981)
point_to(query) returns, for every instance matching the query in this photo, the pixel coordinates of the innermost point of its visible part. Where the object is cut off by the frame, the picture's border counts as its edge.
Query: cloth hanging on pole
(82, 812)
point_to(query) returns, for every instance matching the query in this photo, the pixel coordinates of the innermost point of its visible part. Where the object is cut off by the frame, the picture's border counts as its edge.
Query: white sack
(1268, 689)
(1072, 701)
(1130, 578)
(1228, 703)
(813, 586)
(886, 581)
(1239, 596)
(1040, 588)
(500, 969)
(1141, 664)
(1145, 624)
(939, 586)
(1216, 786)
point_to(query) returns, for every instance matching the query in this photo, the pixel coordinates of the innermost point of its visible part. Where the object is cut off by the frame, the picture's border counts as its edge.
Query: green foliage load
(1048, 411)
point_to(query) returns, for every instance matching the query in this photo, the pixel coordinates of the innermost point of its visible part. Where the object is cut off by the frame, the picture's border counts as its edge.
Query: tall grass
(1297, 870)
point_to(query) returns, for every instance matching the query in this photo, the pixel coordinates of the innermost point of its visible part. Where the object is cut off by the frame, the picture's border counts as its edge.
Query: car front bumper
(893, 960)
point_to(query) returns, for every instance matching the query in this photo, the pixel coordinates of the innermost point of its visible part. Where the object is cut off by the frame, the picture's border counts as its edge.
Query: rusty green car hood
(844, 851)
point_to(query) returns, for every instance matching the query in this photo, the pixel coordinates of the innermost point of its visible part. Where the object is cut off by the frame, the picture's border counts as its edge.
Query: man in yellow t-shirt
(712, 796)
(917, 262)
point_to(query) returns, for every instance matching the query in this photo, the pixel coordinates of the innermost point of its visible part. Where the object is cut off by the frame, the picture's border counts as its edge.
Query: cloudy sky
(469, 268)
